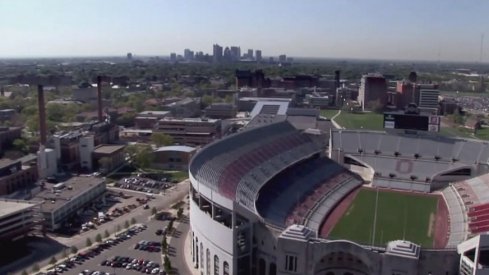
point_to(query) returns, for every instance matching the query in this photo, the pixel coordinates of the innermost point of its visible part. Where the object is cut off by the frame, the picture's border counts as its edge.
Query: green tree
(24, 272)
(20, 145)
(74, 249)
(35, 268)
(104, 164)
(167, 264)
(133, 220)
(106, 234)
(180, 213)
(52, 261)
(154, 211)
(119, 228)
(88, 242)
(164, 245)
(140, 155)
(126, 224)
(98, 238)
(207, 100)
(161, 139)
(65, 253)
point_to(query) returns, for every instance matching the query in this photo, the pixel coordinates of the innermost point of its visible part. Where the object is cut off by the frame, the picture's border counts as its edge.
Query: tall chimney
(99, 98)
(42, 114)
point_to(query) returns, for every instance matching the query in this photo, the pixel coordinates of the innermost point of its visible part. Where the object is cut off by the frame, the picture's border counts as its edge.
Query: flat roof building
(190, 131)
(17, 218)
(63, 200)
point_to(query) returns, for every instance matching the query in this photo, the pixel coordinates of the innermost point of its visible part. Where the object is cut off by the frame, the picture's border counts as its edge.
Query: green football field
(399, 216)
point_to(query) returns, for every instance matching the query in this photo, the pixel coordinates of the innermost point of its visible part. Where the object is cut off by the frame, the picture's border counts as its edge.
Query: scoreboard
(401, 121)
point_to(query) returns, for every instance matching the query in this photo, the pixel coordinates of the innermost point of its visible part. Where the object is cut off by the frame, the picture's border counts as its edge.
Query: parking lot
(122, 251)
(144, 184)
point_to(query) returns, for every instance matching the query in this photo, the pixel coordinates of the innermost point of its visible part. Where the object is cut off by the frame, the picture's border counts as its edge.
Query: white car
(155, 270)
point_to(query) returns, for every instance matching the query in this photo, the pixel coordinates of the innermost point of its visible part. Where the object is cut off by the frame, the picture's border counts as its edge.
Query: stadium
(275, 199)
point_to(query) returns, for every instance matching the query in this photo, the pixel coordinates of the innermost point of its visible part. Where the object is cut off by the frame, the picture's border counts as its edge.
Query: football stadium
(279, 199)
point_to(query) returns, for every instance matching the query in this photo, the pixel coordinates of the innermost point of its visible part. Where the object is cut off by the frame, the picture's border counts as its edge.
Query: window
(201, 255)
(216, 265)
(261, 267)
(291, 263)
(273, 269)
(208, 262)
(225, 268)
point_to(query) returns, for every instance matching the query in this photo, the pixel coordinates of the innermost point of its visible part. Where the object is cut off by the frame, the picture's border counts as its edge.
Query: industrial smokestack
(99, 98)
(42, 114)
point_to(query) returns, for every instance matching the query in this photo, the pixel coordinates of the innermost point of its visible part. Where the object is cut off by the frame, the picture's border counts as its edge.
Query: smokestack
(42, 114)
(99, 98)
(2, 91)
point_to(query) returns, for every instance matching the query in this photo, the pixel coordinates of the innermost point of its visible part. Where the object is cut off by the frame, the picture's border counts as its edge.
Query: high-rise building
(216, 53)
(409, 92)
(373, 90)
(250, 53)
(428, 100)
(235, 53)
(173, 57)
(258, 55)
(129, 56)
(188, 54)
(282, 58)
(227, 55)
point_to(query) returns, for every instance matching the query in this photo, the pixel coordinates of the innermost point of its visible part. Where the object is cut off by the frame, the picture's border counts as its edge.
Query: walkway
(336, 125)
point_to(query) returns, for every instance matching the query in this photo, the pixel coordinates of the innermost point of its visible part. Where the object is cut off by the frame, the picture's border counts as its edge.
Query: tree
(119, 228)
(133, 220)
(104, 164)
(141, 155)
(106, 234)
(164, 245)
(126, 224)
(24, 272)
(20, 145)
(154, 211)
(167, 264)
(98, 238)
(88, 242)
(161, 139)
(180, 213)
(74, 249)
(53, 260)
(207, 100)
(65, 253)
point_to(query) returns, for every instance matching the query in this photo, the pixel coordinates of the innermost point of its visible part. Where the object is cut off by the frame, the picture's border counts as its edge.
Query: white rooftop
(11, 207)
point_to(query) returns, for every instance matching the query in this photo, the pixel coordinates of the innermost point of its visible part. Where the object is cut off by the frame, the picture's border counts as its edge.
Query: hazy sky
(412, 29)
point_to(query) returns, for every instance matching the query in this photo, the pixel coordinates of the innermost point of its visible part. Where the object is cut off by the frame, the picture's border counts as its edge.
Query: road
(41, 254)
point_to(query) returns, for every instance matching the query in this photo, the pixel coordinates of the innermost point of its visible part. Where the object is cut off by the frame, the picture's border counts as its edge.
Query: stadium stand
(456, 212)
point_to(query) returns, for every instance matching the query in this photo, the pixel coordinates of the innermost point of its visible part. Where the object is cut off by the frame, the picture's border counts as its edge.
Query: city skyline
(434, 30)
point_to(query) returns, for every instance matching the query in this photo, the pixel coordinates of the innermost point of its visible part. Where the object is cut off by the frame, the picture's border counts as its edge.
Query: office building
(282, 58)
(235, 53)
(188, 55)
(190, 131)
(61, 201)
(175, 157)
(108, 157)
(17, 219)
(258, 57)
(373, 91)
(221, 110)
(250, 54)
(217, 52)
(17, 174)
(173, 57)
(428, 101)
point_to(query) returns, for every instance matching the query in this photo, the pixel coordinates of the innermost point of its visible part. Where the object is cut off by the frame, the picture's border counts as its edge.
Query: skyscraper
(129, 56)
(282, 58)
(188, 54)
(250, 53)
(216, 53)
(235, 53)
(173, 57)
(373, 90)
(258, 55)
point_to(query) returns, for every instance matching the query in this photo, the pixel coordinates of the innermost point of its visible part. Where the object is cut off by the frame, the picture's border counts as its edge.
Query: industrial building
(190, 131)
(17, 219)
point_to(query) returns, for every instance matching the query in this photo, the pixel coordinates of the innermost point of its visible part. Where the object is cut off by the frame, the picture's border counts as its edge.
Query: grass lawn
(329, 113)
(456, 132)
(483, 133)
(370, 121)
(398, 215)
